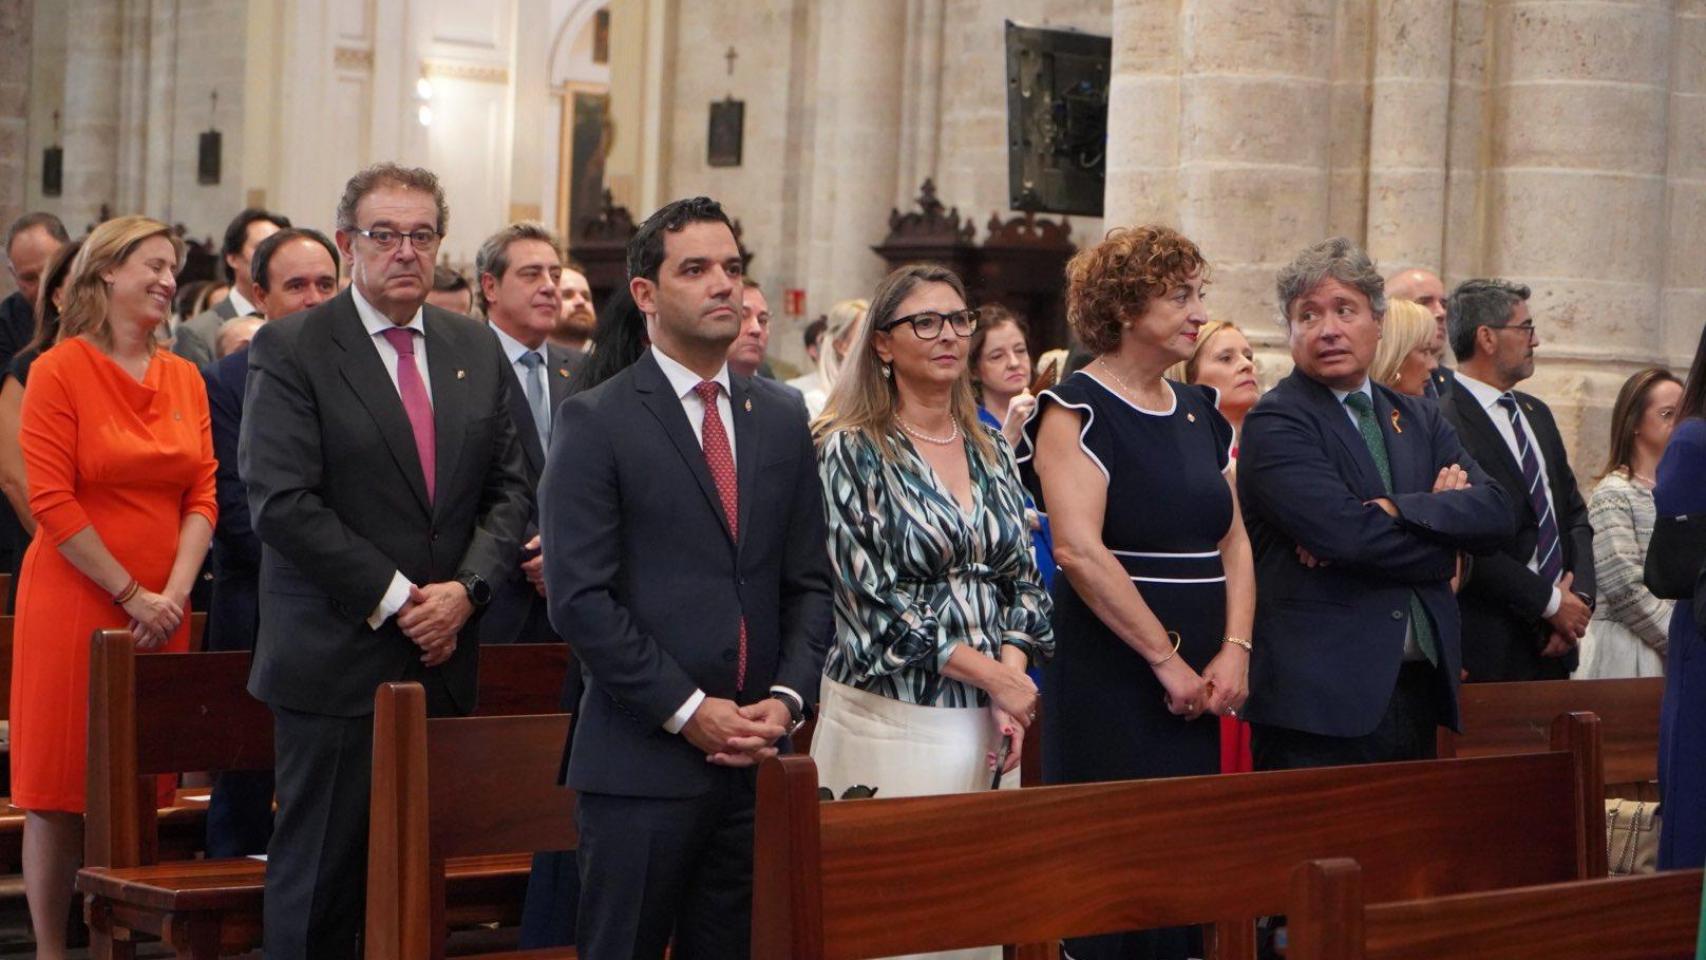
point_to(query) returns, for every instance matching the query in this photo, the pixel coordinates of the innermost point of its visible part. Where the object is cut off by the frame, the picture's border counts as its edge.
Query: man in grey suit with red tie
(388, 488)
(685, 559)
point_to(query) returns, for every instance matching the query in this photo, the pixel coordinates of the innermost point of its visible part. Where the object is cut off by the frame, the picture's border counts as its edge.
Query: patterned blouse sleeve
(1618, 557)
(1026, 622)
(890, 629)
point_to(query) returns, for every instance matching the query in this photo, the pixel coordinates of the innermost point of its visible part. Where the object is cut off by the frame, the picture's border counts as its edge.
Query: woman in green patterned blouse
(938, 608)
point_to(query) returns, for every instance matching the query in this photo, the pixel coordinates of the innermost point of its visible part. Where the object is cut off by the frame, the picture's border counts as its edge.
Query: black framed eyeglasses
(1526, 329)
(387, 239)
(928, 324)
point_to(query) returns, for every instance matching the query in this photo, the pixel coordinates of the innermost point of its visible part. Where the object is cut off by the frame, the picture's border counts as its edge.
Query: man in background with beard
(576, 321)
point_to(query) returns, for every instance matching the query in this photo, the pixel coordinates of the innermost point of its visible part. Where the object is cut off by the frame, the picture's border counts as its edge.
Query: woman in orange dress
(119, 459)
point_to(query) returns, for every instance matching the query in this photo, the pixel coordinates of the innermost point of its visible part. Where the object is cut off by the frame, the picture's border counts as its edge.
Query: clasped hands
(1220, 689)
(1452, 477)
(154, 617)
(1570, 624)
(432, 617)
(731, 735)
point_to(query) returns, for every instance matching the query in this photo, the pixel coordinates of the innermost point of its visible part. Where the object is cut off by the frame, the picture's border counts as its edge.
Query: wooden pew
(1517, 717)
(844, 880)
(448, 788)
(1622, 918)
(169, 713)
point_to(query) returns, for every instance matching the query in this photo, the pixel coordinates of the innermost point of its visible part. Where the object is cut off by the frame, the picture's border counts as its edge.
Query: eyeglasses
(385, 239)
(1526, 329)
(928, 325)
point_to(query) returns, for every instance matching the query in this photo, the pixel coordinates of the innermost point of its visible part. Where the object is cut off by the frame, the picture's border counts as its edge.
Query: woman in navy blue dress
(1676, 570)
(1156, 591)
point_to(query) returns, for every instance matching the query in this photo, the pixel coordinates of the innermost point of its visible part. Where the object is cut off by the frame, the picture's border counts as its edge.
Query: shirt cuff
(675, 723)
(792, 694)
(396, 595)
(1552, 605)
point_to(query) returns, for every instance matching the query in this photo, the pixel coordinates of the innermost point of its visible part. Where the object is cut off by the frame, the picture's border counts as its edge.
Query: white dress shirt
(683, 381)
(514, 350)
(240, 303)
(377, 323)
(1488, 396)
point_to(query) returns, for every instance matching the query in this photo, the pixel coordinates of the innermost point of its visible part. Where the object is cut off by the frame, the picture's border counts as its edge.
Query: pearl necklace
(939, 441)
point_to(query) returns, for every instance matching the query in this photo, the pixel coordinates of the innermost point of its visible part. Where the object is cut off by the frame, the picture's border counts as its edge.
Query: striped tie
(1548, 557)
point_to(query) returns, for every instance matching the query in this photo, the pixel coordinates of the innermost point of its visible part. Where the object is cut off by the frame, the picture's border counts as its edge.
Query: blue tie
(1549, 559)
(531, 363)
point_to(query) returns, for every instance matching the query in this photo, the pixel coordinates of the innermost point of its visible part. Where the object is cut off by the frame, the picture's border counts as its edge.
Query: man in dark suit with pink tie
(685, 559)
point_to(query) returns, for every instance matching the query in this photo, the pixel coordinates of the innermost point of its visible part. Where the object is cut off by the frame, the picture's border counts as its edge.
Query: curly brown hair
(1113, 281)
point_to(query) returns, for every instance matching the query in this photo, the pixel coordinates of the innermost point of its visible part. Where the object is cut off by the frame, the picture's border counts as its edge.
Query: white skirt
(904, 750)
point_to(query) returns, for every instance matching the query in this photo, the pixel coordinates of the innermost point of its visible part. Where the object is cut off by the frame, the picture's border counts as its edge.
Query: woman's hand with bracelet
(1228, 679)
(1014, 694)
(1187, 692)
(154, 618)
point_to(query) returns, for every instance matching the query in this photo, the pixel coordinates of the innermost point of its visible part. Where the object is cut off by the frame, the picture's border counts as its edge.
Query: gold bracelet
(1238, 642)
(1176, 641)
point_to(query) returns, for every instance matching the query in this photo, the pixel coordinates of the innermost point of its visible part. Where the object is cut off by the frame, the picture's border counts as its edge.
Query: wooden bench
(846, 879)
(1517, 718)
(1623, 918)
(168, 713)
(458, 787)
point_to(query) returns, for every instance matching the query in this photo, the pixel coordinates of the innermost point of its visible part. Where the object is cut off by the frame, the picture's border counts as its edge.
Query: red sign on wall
(794, 301)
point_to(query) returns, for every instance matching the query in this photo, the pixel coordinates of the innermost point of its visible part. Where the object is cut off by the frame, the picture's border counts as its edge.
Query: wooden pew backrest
(1622, 918)
(1517, 718)
(873, 878)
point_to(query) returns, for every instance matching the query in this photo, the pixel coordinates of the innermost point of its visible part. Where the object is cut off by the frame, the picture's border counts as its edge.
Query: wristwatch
(796, 713)
(479, 591)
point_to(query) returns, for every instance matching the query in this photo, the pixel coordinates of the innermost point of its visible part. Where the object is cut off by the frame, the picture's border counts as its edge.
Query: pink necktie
(415, 402)
(722, 463)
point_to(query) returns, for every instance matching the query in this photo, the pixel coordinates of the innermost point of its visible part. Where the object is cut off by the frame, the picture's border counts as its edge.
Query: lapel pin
(1396, 426)
(748, 404)
(561, 372)
(1528, 406)
(177, 414)
(1191, 417)
(461, 374)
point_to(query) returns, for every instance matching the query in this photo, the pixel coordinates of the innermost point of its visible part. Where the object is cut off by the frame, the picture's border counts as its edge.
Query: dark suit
(1439, 385)
(197, 337)
(340, 503)
(17, 328)
(1329, 640)
(1502, 600)
(648, 585)
(239, 814)
(517, 613)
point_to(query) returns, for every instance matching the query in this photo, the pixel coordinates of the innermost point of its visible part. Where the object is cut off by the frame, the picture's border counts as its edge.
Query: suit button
(1397, 614)
(433, 536)
(728, 656)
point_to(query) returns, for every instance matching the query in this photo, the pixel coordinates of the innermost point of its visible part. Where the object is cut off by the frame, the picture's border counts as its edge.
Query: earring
(888, 372)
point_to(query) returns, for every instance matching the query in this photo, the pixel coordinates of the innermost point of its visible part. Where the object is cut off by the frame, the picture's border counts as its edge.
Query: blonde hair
(843, 318)
(1185, 371)
(86, 296)
(1408, 325)
(864, 400)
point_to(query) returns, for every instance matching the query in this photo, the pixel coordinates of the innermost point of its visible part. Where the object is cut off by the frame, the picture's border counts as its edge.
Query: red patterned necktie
(721, 460)
(415, 402)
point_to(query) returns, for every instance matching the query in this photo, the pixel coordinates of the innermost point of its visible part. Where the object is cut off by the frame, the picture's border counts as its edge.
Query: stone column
(856, 133)
(1685, 272)
(1143, 141)
(93, 48)
(1576, 192)
(1408, 132)
(15, 147)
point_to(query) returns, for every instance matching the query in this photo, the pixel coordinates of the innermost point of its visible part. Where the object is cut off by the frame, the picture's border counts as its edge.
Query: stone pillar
(857, 129)
(1685, 272)
(1576, 192)
(158, 138)
(1143, 142)
(93, 48)
(1409, 133)
(15, 146)
(1467, 139)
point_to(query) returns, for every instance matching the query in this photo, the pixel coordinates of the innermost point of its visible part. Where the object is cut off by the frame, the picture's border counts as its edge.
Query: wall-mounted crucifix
(731, 56)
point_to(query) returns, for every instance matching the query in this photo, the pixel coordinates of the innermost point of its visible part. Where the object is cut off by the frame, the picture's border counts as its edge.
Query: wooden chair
(1517, 718)
(846, 879)
(459, 787)
(1623, 918)
(171, 713)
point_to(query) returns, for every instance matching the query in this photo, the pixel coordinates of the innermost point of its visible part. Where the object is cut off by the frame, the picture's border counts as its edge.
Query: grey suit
(339, 501)
(197, 337)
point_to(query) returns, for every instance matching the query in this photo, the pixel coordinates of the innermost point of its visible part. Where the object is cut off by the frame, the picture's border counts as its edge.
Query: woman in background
(1405, 359)
(119, 454)
(1626, 637)
(844, 320)
(1000, 364)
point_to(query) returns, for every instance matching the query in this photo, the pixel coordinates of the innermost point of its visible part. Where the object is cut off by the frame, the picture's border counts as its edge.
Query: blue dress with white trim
(1168, 506)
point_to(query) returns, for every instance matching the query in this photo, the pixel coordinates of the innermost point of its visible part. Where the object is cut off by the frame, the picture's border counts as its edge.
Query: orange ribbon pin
(1396, 426)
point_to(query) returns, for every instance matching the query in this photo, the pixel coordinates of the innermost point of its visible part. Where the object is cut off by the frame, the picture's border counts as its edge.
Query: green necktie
(1370, 430)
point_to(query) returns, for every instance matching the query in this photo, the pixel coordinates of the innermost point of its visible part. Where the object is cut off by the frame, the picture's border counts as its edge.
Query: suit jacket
(197, 336)
(1329, 640)
(650, 588)
(1440, 384)
(232, 617)
(1502, 599)
(17, 327)
(517, 613)
(339, 500)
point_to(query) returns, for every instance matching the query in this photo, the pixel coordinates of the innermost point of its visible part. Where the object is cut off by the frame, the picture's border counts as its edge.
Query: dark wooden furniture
(458, 787)
(1517, 718)
(1623, 918)
(844, 880)
(599, 244)
(170, 713)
